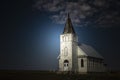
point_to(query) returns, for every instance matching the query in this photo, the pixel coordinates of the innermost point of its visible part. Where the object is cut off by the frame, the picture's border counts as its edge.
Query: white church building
(77, 58)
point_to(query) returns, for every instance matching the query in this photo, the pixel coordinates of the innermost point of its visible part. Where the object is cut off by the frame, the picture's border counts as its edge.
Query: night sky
(30, 31)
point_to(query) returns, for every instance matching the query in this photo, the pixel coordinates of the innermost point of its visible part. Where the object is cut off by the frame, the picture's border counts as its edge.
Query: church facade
(77, 58)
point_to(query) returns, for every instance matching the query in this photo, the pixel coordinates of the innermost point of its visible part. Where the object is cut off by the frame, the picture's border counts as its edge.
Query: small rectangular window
(82, 63)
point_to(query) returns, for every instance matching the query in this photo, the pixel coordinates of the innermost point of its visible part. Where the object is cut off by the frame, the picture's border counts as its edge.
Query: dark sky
(30, 32)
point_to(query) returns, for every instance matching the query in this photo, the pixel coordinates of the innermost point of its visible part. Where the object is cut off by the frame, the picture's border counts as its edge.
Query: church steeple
(68, 26)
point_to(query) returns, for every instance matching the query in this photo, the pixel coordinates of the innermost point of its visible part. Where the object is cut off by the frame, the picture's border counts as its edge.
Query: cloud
(99, 3)
(83, 12)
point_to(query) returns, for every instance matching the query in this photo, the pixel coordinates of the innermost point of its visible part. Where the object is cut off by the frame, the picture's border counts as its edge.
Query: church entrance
(66, 65)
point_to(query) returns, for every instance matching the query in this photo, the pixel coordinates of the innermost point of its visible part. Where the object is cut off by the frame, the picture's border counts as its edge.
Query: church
(76, 57)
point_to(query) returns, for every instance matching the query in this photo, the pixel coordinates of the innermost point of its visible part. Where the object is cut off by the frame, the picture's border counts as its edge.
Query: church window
(62, 38)
(65, 51)
(82, 63)
(66, 38)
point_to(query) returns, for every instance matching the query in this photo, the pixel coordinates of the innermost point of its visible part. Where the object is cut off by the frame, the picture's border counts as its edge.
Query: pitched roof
(89, 51)
(68, 26)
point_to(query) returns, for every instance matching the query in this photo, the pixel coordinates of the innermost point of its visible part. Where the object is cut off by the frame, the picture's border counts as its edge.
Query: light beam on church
(77, 58)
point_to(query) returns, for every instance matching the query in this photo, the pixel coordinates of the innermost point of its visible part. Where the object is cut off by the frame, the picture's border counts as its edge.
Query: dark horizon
(30, 38)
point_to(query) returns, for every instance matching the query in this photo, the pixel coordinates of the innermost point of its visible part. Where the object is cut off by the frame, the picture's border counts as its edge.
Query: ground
(46, 75)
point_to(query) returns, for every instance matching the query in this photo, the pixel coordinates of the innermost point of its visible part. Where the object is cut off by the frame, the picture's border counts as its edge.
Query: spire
(68, 26)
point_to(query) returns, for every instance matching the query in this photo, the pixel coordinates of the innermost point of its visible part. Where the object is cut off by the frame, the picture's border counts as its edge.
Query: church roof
(89, 51)
(68, 26)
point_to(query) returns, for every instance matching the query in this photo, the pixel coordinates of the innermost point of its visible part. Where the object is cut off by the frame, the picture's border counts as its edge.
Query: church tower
(68, 46)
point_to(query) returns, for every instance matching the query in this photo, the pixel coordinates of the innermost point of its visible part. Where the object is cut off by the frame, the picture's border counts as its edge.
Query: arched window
(66, 38)
(65, 51)
(82, 63)
(62, 38)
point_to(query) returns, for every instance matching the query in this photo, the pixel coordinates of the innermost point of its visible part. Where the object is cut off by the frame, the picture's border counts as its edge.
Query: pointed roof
(68, 26)
(87, 50)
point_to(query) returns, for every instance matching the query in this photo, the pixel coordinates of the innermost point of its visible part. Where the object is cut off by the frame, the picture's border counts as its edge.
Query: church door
(66, 65)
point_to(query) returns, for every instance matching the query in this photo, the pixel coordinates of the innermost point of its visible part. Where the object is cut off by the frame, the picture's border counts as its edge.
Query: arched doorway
(66, 65)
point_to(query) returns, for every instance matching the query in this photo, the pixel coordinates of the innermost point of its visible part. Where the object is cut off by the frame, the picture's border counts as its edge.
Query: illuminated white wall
(69, 50)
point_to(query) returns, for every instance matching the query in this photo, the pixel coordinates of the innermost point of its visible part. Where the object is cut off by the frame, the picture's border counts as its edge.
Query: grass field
(45, 75)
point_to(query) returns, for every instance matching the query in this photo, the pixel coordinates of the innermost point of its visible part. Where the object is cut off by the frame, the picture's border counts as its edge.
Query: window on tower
(65, 51)
(66, 38)
(62, 38)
